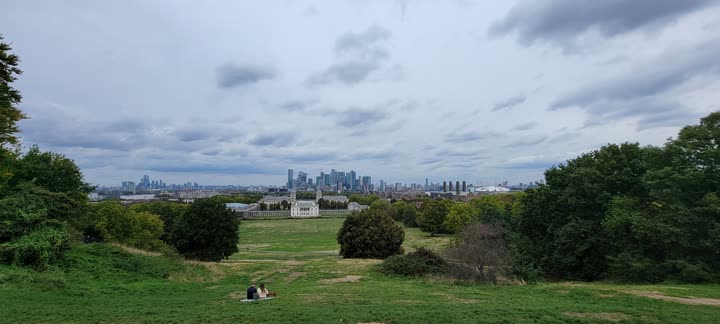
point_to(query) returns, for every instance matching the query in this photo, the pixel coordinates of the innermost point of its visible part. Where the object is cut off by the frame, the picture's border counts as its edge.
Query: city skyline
(498, 91)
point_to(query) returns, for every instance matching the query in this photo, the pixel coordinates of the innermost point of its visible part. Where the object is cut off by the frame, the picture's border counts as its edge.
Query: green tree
(113, 222)
(9, 96)
(409, 215)
(370, 233)
(460, 215)
(168, 212)
(380, 204)
(432, 219)
(561, 223)
(396, 210)
(206, 231)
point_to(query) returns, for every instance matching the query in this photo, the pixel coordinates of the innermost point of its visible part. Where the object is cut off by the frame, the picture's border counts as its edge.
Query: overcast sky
(237, 92)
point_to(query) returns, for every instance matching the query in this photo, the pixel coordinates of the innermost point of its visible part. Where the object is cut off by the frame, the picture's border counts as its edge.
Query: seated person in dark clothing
(251, 291)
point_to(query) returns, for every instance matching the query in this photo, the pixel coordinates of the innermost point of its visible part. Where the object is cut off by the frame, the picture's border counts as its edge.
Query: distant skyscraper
(353, 180)
(290, 179)
(426, 182)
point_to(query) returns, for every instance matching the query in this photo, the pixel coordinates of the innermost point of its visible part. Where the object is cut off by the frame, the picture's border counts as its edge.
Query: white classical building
(304, 208)
(310, 208)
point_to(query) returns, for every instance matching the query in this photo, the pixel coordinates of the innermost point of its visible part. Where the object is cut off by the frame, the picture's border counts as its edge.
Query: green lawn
(298, 259)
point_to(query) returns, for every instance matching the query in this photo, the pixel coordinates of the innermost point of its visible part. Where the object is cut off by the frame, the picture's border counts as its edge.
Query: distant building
(290, 179)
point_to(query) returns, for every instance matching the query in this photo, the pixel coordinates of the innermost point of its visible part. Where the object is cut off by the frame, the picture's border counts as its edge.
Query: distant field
(298, 259)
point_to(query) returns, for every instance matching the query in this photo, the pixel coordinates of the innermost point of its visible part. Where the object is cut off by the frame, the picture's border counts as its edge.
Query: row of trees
(625, 212)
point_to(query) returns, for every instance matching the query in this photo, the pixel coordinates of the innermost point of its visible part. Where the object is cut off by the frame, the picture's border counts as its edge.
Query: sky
(237, 92)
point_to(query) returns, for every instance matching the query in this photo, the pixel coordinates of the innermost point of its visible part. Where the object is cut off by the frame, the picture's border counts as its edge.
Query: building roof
(305, 203)
(335, 198)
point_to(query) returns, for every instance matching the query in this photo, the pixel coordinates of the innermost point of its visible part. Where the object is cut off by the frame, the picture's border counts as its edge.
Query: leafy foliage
(419, 263)
(206, 231)
(168, 212)
(9, 97)
(432, 218)
(370, 233)
(115, 223)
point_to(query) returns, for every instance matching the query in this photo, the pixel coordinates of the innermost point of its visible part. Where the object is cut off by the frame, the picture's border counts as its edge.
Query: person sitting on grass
(251, 291)
(262, 292)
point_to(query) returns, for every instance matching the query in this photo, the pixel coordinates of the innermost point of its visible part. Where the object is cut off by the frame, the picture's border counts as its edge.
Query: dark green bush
(38, 249)
(206, 231)
(419, 263)
(370, 233)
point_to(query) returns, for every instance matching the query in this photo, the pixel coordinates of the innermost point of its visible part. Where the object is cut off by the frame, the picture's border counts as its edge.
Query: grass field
(298, 259)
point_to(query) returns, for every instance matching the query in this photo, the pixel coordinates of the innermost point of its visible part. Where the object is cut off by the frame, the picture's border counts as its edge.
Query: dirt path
(682, 300)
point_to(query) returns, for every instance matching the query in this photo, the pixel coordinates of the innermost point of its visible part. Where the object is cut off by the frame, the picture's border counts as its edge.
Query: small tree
(480, 253)
(370, 233)
(409, 215)
(380, 204)
(206, 231)
(433, 216)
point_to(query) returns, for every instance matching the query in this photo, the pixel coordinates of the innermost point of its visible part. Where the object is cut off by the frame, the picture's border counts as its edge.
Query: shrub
(168, 212)
(115, 223)
(370, 233)
(206, 231)
(480, 253)
(409, 216)
(432, 218)
(419, 263)
(38, 249)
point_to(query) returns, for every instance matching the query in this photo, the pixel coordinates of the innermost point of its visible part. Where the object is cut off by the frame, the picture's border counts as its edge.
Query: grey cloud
(208, 168)
(191, 134)
(460, 153)
(527, 142)
(509, 103)
(643, 91)
(349, 73)
(356, 117)
(359, 55)
(231, 75)
(539, 165)
(564, 137)
(525, 126)
(564, 21)
(469, 136)
(362, 40)
(383, 155)
(275, 139)
(668, 118)
(297, 105)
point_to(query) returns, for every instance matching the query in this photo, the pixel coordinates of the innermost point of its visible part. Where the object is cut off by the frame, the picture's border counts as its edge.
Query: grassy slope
(293, 257)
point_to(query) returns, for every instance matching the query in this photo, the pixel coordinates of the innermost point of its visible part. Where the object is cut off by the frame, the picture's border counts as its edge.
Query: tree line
(623, 212)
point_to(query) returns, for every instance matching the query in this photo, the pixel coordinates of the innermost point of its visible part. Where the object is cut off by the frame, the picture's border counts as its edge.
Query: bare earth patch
(238, 295)
(407, 302)
(350, 278)
(294, 275)
(457, 300)
(687, 300)
(312, 298)
(359, 261)
(564, 292)
(613, 317)
(137, 251)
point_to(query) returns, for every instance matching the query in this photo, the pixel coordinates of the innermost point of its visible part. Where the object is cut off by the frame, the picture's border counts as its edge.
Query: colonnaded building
(309, 208)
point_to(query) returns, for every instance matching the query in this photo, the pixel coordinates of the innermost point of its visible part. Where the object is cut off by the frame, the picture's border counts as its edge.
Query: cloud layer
(238, 92)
